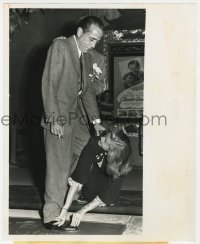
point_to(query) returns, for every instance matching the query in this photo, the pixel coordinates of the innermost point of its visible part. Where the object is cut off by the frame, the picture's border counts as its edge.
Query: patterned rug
(28, 197)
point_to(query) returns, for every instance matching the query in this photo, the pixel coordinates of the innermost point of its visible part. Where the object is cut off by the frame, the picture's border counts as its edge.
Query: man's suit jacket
(60, 82)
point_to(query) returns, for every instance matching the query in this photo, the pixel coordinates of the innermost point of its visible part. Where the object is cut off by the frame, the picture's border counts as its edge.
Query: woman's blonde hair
(118, 153)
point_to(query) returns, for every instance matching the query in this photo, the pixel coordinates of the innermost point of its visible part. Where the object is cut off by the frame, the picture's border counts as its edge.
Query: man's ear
(79, 31)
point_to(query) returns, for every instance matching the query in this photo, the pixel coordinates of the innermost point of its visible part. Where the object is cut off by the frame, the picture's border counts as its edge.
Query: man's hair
(118, 154)
(134, 61)
(86, 22)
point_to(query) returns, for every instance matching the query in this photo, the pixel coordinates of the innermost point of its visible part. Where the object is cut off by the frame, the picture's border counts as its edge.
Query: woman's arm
(70, 196)
(76, 218)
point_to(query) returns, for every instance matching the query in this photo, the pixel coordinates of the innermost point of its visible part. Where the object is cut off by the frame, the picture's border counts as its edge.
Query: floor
(23, 176)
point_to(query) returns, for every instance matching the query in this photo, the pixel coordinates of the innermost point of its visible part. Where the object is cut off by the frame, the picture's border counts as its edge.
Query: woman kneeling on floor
(99, 174)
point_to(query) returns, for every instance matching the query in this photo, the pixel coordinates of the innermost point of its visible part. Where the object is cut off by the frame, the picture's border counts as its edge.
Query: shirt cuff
(74, 183)
(102, 204)
(96, 121)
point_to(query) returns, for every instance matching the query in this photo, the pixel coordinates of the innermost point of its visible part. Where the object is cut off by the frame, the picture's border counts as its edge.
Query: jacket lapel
(74, 54)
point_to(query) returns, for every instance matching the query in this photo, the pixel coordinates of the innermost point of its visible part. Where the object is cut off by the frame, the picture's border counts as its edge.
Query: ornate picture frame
(121, 50)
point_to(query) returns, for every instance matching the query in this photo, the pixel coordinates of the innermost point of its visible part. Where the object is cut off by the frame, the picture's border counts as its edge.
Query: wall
(28, 53)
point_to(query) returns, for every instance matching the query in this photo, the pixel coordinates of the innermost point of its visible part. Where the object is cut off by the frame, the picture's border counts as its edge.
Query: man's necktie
(81, 68)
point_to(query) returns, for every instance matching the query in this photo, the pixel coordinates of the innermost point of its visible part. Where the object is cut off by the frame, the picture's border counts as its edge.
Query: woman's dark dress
(91, 173)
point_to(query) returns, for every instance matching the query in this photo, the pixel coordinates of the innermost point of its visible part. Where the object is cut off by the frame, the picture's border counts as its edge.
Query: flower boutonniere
(97, 78)
(96, 72)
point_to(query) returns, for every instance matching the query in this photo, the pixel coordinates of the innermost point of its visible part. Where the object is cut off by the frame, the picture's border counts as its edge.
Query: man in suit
(69, 101)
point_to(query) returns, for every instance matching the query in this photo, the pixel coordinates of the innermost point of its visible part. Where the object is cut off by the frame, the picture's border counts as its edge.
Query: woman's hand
(77, 217)
(61, 218)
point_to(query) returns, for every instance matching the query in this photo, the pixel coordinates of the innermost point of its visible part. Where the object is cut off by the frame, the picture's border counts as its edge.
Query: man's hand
(61, 218)
(57, 129)
(99, 128)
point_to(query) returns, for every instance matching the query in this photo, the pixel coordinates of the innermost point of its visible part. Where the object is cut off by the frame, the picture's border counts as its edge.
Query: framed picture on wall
(125, 72)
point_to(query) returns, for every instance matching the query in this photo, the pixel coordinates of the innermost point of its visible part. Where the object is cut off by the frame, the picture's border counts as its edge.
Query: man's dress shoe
(50, 225)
